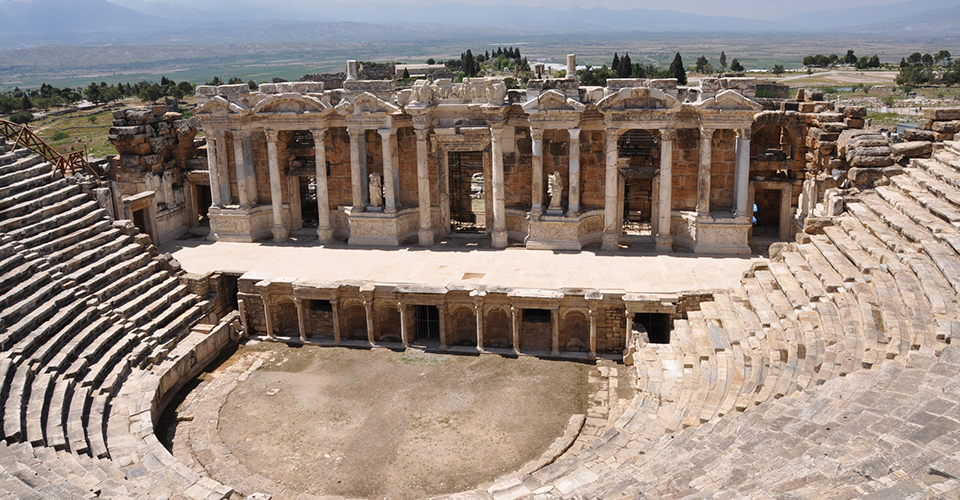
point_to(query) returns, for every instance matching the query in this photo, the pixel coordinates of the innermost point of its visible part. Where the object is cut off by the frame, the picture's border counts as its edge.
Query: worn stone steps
(929, 199)
(59, 259)
(68, 222)
(43, 213)
(913, 209)
(42, 176)
(46, 195)
(23, 168)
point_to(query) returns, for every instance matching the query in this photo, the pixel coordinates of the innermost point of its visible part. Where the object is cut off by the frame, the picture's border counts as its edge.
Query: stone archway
(575, 332)
(462, 327)
(497, 329)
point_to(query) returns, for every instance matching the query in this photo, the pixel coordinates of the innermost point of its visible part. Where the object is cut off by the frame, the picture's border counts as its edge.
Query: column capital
(272, 135)
(298, 301)
(707, 131)
(385, 133)
(442, 308)
(745, 133)
(574, 133)
(496, 131)
(334, 302)
(668, 134)
(422, 133)
(612, 134)
(354, 133)
(319, 135)
(536, 134)
(220, 133)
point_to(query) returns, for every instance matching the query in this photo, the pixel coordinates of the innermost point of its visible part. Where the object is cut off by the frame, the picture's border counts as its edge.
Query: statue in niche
(376, 190)
(555, 183)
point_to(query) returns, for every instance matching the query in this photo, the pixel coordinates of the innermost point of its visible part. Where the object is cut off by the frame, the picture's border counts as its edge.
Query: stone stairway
(86, 309)
(828, 373)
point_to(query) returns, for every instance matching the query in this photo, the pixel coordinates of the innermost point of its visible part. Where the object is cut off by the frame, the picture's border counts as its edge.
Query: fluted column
(241, 169)
(611, 226)
(706, 162)
(742, 184)
(389, 194)
(276, 193)
(555, 325)
(515, 327)
(425, 235)
(251, 171)
(499, 216)
(324, 231)
(573, 203)
(593, 330)
(223, 173)
(665, 211)
(536, 185)
(403, 323)
(442, 310)
(213, 168)
(368, 309)
(356, 178)
(478, 310)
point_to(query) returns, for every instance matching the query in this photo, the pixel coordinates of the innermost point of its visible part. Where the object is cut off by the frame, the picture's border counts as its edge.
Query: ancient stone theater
(824, 370)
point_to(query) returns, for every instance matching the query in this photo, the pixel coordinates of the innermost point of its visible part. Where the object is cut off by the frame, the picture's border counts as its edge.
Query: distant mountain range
(30, 23)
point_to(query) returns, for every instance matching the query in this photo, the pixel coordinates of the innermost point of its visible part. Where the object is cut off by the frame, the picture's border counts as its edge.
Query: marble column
(425, 235)
(703, 177)
(213, 168)
(368, 309)
(334, 305)
(629, 333)
(324, 230)
(356, 178)
(268, 316)
(742, 183)
(442, 310)
(241, 168)
(223, 173)
(389, 193)
(395, 159)
(276, 193)
(251, 171)
(515, 327)
(301, 319)
(478, 310)
(555, 324)
(665, 211)
(499, 217)
(403, 323)
(573, 203)
(611, 225)
(536, 185)
(593, 330)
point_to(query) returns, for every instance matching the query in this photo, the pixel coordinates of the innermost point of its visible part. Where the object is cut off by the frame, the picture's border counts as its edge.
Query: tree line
(500, 60)
(851, 59)
(927, 69)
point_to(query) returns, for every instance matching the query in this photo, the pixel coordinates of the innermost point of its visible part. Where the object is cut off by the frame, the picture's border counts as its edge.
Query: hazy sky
(756, 9)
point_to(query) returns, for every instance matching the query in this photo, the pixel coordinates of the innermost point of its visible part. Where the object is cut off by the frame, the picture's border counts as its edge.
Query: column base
(499, 239)
(325, 236)
(610, 242)
(280, 233)
(665, 243)
(425, 237)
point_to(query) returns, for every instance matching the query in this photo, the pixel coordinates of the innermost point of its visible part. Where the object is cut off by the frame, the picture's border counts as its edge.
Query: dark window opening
(140, 220)
(658, 326)
(231, 288)
(766, 213)
(467, 192)
(536, 315)
(309, 211)
(428, 322)
(204, 200)
(321, 306)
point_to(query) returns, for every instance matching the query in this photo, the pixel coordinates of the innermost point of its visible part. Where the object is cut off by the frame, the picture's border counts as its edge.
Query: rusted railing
(22, 136)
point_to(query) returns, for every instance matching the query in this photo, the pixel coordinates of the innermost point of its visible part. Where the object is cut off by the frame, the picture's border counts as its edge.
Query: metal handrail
(26, 138)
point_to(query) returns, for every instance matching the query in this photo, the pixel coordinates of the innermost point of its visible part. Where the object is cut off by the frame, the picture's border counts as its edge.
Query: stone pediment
(639, 99)
(366, 104)
(471, 91)
(218, 106)
(729, 100)
(553, 100)
(291, 104)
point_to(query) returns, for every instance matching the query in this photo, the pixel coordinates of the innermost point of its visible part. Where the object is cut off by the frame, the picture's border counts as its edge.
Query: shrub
(59, 136)
(766, 93)
(22, 117)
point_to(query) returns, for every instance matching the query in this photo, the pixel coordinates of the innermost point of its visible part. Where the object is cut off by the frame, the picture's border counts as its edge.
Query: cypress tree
(615, 65)
(677, 70)
(626, 67)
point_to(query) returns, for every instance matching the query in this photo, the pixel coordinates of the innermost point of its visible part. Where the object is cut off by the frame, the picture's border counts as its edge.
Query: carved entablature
(638, 99)
(486, 91)
(729, 109)
(291, 104)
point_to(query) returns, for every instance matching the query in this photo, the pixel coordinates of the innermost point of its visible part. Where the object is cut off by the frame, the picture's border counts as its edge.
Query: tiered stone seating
(84, 308)
(844, 382)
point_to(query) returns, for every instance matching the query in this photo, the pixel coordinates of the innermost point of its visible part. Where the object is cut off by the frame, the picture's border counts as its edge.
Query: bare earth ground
(384, 424)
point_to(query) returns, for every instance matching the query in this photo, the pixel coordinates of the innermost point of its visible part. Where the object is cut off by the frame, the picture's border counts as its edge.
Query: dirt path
(383, 424)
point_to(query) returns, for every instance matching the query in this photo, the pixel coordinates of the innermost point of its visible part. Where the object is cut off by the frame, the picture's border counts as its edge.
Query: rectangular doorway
(658, 326)
(766, 213)
(428, 323)
(468, 206)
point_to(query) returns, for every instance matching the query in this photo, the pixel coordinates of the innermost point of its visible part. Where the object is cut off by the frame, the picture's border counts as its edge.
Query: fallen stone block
(942, 113)
(859, 152)
(913, 149)
(871, 161)
(865, 177)
(913, 134)
(948, 127)
(855, 111)
(854, 122)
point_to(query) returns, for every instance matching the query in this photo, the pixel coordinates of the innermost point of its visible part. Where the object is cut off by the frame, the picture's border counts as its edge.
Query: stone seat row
(835, 332)
(84, 307)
